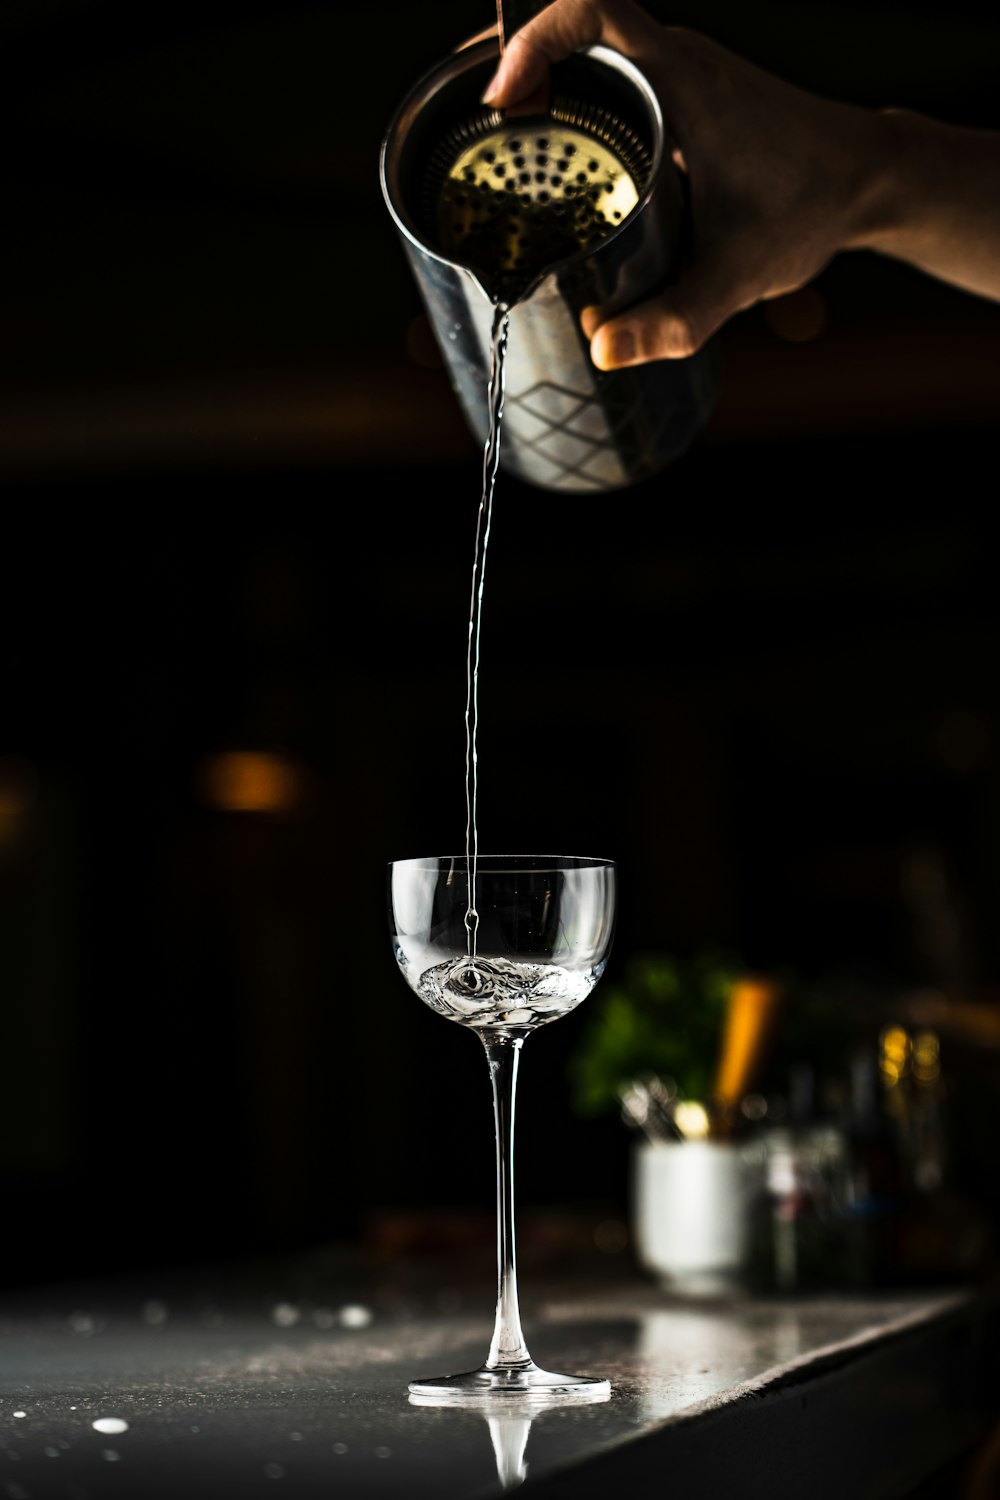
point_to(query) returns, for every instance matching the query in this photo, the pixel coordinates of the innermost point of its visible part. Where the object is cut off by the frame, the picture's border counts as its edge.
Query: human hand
(779, 179)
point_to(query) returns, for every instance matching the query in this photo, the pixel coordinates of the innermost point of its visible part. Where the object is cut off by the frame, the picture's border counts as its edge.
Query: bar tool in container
(548, 214)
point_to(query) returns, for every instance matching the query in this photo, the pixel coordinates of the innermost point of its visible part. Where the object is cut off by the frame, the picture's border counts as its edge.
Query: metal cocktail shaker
(581, 207)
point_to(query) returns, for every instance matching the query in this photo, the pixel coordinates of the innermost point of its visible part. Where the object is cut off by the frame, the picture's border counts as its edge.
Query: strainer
(511, 197)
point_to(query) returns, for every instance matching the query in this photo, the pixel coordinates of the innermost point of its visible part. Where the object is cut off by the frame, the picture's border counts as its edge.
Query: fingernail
(490, 91)
(623, 346)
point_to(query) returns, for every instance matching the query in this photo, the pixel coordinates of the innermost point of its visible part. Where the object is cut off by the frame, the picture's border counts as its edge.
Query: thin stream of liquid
(491, 458)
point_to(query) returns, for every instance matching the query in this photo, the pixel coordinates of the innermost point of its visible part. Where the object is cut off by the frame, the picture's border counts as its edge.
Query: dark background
(238, 516)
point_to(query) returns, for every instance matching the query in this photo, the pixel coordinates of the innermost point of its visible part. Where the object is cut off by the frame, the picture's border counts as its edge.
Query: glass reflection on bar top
(208, 1385)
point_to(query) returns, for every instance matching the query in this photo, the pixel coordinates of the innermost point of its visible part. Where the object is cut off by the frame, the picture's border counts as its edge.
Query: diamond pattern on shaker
(541, 470)
(553, 403)
(578, 442)
(572, 446)
(592, 421)
(602, 468)
(523, 426)
(564, 448)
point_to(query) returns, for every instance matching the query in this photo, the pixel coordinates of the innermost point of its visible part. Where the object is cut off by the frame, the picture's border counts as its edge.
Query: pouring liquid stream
(491, 458)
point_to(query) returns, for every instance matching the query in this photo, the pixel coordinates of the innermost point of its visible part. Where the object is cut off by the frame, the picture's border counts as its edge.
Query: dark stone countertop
(231, 1389)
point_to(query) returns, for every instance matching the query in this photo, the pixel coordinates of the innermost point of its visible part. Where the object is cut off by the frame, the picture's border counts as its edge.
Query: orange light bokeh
(252, 781)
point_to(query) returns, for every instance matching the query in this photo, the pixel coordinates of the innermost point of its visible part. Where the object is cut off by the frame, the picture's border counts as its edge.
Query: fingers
(563, 27)
(556, 32)
(654, 330)
(672, 325)
(591, 319)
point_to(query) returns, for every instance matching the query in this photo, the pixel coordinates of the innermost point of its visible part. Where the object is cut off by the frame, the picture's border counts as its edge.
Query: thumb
(554, 33)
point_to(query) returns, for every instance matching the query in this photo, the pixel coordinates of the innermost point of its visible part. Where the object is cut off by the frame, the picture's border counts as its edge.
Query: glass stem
(508, 1350)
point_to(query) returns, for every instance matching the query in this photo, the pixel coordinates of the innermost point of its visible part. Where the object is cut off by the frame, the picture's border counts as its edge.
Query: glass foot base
(524, 1381)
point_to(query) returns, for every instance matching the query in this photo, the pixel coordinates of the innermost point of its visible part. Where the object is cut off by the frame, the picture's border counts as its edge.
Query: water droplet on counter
(354, 1315)
(110, 1424)
(155, 1313)
(274, 1471)
(382, 1451)
(340, 1447)
(111, 1455)
(285, 1314)
(83, 1323)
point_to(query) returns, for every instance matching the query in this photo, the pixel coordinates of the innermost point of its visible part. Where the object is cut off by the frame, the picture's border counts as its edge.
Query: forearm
(935, 200)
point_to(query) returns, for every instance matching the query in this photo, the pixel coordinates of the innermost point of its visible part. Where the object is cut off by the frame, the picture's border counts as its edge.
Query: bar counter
(222, 1386)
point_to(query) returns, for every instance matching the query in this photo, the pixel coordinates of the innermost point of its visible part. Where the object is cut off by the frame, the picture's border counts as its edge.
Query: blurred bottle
(944, 1233)
(798, 1236)
(876, 1195)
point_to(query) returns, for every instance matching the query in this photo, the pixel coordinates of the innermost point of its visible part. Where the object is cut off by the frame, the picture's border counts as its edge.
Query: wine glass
(503, 944)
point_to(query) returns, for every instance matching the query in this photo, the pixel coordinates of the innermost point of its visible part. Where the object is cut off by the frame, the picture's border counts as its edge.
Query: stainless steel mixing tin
(566, 424)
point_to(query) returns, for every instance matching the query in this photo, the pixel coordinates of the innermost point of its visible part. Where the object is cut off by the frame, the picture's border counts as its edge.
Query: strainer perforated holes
(510, 197)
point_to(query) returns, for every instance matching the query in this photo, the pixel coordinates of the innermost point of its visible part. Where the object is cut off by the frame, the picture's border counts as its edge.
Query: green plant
(664, 1017)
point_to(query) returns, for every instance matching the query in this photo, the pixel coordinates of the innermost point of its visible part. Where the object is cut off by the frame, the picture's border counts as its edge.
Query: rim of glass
(535, 861)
